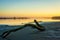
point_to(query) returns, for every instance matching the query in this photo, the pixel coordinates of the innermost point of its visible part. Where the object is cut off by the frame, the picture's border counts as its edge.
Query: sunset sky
(30, 8)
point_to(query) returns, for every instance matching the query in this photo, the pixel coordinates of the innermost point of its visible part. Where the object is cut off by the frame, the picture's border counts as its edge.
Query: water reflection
(18, 22)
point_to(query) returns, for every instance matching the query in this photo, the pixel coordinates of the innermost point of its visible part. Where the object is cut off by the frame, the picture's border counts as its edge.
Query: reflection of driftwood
(37, 26)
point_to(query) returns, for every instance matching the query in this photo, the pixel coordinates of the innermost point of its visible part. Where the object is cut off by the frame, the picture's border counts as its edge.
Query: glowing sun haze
(30, 8)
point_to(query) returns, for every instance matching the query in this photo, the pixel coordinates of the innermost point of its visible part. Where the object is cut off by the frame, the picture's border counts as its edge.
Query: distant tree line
(56, 17)
(14, 18)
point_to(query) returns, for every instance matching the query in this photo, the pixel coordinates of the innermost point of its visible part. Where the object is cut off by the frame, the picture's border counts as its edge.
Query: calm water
(22, 21)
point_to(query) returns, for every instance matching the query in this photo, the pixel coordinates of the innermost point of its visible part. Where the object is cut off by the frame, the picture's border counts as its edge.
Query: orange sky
(45, 8)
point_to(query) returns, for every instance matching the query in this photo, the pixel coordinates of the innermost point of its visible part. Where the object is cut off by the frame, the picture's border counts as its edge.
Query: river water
(22, 21)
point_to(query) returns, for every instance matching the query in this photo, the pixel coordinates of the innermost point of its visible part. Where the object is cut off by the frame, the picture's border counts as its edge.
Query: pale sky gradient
(30, 8)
